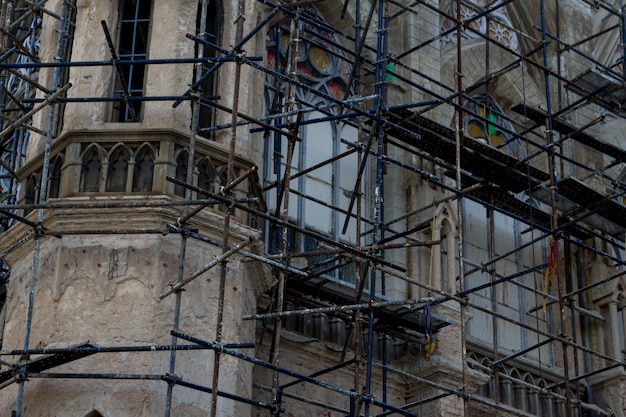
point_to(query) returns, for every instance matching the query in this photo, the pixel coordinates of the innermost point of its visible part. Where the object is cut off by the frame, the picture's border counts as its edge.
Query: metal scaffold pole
(338, 158)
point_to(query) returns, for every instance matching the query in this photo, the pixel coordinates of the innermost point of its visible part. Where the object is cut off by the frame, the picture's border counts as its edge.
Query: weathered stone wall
(105, 289)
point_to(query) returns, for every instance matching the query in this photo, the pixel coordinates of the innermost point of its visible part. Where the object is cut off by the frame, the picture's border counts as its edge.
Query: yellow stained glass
(475, 130)
(284, 42)
(496, 140)
(319, 59)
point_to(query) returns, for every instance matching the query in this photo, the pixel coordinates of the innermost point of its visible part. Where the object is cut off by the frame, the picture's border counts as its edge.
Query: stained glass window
(318, 197)
(486, 122)
(321, 62)
(498, 26)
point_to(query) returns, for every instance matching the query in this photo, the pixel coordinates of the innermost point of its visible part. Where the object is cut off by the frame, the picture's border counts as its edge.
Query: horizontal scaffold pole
(305, 378)
(333, 309)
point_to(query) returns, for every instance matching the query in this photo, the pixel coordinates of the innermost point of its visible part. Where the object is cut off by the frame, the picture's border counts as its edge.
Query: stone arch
(506, 385)
(208, 176)
(520, 397)
(54, 183)
(91, 171)
(444, 227)
(117, 170)
(31, 192)
(533, 394)
(94, 413)
(489, 389)
(143, 170)
(182, 160)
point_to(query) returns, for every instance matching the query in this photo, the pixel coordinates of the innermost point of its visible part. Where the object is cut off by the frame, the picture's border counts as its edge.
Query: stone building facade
(149, 204)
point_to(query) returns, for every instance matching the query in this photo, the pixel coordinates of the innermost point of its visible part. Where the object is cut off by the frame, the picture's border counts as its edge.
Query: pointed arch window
(321, 194)
(132, 45)
(143, 174)
(181, 171)
(117, 174)
(90, 171)
(31, 194)
(55, 177)
(208, 177)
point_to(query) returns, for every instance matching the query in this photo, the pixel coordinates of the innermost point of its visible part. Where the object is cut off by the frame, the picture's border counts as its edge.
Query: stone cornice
(116, 220)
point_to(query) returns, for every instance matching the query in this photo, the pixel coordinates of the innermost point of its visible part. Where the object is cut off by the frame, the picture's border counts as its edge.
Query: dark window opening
(181, 172)
(208, 87)
(30, 195)
(208, 178)
(68, 32)
(133, 45)
(144, 170)
(90, 172)
(55, 178)
(117, 174)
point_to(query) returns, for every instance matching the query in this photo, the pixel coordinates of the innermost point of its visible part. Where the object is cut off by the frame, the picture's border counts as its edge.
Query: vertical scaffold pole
(378, 232)
(459, 135)
(239, 22)
(65, 26)
(553, 198)
(195, 117)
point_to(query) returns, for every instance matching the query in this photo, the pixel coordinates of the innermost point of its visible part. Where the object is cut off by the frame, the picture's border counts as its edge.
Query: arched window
(94, 413)
(506, 387)
(212, 33)
(532, 405)
(90, 171)
(55, 177)
(181, 171)
(520, 398)
(117, 174)
(322, 193)
(485, 121)
(31, 194)
(133, 32)
(208, 178)
(143, 174)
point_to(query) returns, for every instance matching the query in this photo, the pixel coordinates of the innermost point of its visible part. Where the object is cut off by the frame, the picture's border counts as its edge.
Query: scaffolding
(546, 186)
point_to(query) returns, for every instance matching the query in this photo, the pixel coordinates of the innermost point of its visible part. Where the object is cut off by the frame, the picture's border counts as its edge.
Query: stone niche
(101, 287)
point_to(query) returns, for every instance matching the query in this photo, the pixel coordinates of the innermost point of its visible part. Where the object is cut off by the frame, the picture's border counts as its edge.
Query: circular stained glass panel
(319, 59)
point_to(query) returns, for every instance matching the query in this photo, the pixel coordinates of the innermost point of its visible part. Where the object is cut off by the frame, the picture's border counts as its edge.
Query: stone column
(436, 258)
(615, 340)
(451, 248)
(622, 341)
(70, 172)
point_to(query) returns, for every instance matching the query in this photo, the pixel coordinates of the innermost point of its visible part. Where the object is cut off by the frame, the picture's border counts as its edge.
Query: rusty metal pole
(239, 22)
(459, 145)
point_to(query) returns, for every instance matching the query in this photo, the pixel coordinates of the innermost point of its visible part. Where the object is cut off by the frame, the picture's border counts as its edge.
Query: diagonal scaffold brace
(217, 261)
